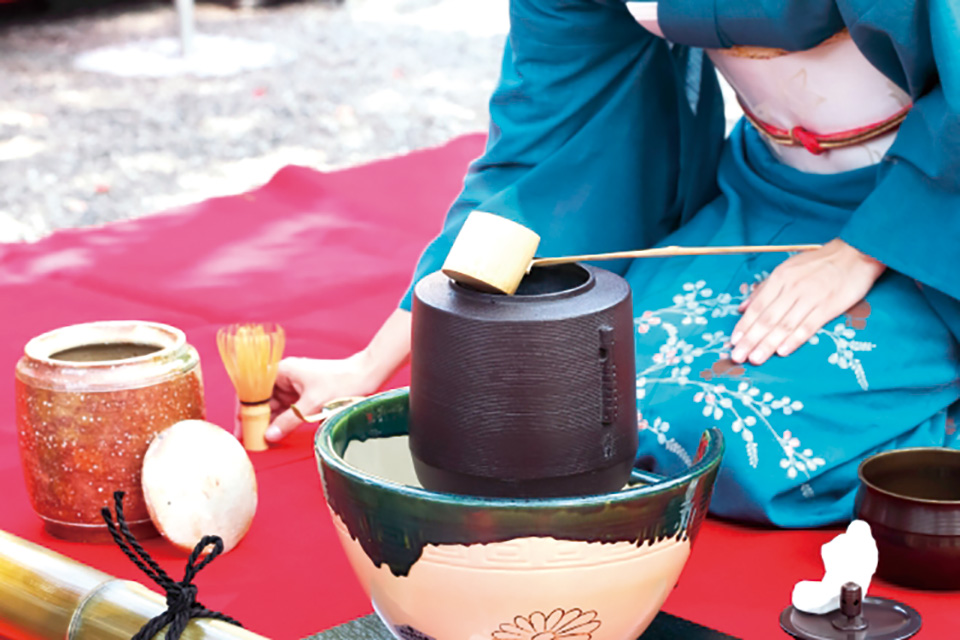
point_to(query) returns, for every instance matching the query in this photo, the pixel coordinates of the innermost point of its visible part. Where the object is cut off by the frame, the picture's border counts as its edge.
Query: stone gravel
(356, 80)
(363, 79)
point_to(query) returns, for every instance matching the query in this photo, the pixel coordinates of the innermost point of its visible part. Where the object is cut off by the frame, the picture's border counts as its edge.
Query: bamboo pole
(47, 596)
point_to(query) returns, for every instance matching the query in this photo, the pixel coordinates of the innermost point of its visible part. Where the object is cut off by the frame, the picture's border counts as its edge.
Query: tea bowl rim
(327, 456)
(886, 493)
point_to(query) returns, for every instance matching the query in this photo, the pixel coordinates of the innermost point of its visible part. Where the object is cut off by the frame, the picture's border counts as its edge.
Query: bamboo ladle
(493, 254)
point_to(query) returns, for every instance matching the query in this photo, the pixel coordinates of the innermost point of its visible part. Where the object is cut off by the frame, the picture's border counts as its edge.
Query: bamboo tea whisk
(251, 354)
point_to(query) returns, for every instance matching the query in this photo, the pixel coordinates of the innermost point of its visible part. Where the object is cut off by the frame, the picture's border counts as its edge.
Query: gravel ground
(346, 83)
(358, 81)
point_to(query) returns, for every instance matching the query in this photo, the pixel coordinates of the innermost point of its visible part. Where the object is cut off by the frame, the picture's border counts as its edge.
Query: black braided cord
(182, 603)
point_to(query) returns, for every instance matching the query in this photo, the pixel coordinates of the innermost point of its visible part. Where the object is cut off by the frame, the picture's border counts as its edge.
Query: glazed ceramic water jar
(89, 398)
(440, 566)
(911, 499)
(526, 395)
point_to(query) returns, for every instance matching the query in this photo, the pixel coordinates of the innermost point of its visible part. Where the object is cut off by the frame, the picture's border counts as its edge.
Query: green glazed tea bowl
(440, 566)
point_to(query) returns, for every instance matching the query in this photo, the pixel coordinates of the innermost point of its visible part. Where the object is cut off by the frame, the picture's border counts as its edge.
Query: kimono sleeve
(793, 25)
(589, 124)
(911, 222)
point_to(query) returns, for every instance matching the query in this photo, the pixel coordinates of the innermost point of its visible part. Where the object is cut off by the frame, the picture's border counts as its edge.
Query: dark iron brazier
(526, 395)
(911, 499)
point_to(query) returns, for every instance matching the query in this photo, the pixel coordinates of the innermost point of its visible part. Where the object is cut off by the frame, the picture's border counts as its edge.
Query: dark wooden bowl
(529, 395)
(911, 499)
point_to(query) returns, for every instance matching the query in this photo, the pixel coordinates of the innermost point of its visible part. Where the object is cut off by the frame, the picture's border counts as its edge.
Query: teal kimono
(604, 137)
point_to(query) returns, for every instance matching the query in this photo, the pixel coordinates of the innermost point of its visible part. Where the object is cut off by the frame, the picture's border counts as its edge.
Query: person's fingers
(758, 304)
(286, 388)
(829, 308)
(285, 395)
(282, 425)
(766, 320)
(783, 330)
(277, 407)
(750, 298)
(289, 380)
(804, 331)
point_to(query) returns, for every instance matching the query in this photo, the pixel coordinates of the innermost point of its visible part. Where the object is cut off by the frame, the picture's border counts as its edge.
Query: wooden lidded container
(529, 395)
(89, 399)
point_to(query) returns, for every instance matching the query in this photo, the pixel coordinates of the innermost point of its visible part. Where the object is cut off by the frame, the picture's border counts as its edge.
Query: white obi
(829, 89)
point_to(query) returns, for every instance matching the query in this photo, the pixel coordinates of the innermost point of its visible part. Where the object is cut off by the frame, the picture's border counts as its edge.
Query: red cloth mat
(328, 256)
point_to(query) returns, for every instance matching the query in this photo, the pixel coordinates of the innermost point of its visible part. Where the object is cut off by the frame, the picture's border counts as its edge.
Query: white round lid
(198, 481)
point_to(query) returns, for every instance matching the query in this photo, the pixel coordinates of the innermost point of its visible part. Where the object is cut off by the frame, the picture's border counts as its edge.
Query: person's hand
(310, 384)
(801, 295)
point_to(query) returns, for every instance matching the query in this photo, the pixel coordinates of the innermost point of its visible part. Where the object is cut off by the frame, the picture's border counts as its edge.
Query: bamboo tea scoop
(328, 409)
(493, 254)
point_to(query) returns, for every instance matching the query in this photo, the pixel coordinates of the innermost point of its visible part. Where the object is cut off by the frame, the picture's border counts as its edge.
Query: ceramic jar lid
(198, 481)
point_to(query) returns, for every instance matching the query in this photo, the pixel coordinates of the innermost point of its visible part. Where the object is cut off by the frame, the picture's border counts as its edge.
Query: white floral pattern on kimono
(754, 415)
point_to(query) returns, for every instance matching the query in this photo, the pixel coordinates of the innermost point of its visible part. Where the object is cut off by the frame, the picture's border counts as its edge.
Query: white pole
(186, 19)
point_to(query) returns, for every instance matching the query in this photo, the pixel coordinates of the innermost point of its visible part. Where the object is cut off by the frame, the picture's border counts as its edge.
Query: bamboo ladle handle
(666, 252)
(493, 254)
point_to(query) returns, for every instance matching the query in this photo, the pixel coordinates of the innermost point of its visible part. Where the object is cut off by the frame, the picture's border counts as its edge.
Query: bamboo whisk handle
(254, 420)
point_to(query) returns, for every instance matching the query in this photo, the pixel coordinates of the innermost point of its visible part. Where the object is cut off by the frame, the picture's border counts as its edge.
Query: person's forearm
(389, 349)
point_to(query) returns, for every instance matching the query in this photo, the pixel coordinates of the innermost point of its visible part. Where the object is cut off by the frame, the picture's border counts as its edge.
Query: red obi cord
(818, 143)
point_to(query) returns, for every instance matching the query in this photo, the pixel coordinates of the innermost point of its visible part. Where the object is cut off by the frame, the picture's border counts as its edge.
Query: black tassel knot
(182, 603)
